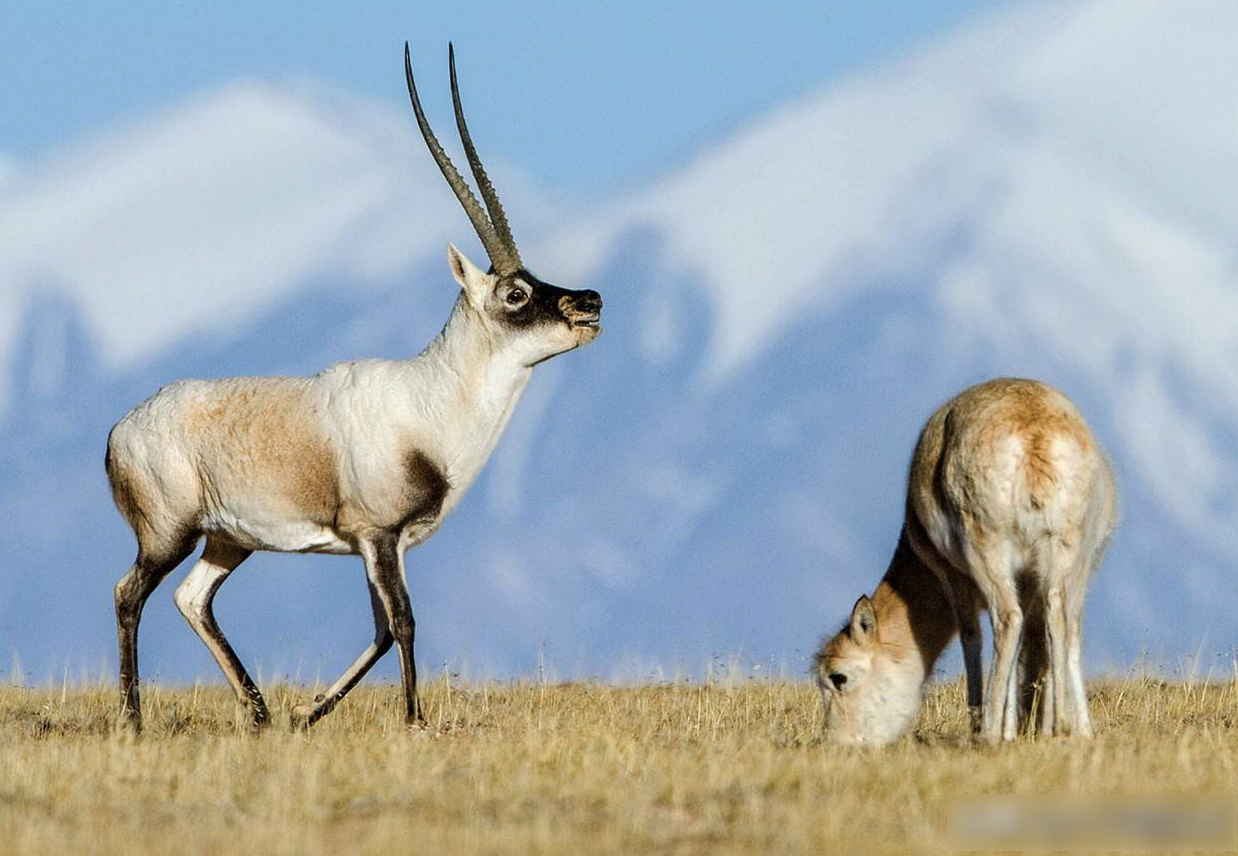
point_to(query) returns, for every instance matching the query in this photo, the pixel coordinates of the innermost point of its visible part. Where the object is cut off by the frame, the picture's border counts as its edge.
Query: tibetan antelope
(365, 458)
(1010, 504)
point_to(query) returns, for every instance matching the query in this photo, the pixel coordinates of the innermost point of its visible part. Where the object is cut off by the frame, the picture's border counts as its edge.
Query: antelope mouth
(587, 322)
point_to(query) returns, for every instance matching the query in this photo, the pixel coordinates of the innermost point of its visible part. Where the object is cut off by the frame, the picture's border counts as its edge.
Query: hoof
(302, 717)
(975, 722)
(259, 716)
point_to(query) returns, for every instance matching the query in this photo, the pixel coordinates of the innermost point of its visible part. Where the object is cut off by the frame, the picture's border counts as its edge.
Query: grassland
(724, 767)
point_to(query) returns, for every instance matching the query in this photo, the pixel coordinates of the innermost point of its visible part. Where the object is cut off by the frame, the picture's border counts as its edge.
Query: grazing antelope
(1010, 504)
(364, 458)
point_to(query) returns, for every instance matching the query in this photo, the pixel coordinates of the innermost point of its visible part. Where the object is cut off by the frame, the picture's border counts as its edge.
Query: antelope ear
(863, 621)
(475, 282)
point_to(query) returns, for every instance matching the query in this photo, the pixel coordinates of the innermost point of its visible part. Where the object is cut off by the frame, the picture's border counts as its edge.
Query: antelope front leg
(305, 715)
(963, 600)
(384, 565)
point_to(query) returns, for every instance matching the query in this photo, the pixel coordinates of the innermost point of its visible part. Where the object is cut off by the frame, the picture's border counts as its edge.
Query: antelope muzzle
(583, 311)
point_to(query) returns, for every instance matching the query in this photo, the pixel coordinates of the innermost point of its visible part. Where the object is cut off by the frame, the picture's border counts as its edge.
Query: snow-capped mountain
(209, 213)
(1051, 192)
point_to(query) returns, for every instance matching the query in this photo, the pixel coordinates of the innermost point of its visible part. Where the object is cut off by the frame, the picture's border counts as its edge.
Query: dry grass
(574, 768)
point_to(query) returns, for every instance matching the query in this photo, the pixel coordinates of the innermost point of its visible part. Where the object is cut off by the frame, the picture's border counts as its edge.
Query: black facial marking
(546, 304)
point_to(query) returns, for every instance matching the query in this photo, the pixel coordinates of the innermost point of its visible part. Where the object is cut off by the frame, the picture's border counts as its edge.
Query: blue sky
(585, 97)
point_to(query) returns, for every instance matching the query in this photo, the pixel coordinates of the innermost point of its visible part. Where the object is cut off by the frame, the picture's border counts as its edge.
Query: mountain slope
(1079, 166)
(1129, 98)
(216, 209)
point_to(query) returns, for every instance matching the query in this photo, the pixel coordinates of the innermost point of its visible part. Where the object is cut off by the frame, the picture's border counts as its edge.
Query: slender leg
(384, 565)
(1074, 634)
(1010, 712)
(963, 598)
(1006, 617)
(1079, 694)
(194, 597)
(132, 591)
(1055, 629)
(1048, 707)
(305, 715)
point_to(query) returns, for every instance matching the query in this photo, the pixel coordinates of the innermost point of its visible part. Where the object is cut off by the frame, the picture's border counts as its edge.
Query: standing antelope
(1010, 504)
(364, 458)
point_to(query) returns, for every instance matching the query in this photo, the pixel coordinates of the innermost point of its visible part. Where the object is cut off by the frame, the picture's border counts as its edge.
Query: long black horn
(477, 216)
(488, 194)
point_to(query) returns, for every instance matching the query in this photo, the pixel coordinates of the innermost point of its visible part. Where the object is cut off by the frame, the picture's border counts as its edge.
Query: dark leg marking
(385, 569)
(967, 615)
(132, 591)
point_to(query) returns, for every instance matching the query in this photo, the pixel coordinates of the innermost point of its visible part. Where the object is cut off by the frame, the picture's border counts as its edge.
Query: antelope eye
(516, 296)
(838, 679)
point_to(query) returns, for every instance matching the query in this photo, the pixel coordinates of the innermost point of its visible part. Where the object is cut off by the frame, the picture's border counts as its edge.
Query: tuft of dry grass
(732, 767)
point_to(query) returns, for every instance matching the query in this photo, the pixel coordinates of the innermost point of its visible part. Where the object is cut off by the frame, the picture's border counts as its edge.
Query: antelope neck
(476, 387)
(913, 614)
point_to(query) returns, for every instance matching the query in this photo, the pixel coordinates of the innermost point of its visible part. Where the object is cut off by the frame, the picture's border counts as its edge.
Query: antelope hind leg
(195, 597)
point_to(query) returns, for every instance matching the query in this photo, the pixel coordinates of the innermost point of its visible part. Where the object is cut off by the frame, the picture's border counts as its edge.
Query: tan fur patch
(914, 617)
(980, 420)
(1038, 416)
(913, 614)
(262, 436)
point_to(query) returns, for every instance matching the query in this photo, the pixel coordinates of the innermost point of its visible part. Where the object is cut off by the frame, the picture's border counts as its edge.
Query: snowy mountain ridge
(214, 210)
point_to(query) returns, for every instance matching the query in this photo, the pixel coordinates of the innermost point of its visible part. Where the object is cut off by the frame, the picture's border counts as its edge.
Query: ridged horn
(488, 194)
(495, 248)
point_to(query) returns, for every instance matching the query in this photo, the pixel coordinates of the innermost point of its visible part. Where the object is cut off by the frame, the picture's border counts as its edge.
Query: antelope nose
(588, 301)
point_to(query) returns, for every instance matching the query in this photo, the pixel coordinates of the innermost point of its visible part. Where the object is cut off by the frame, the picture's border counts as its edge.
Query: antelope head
(521, 313)
(870, 699)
